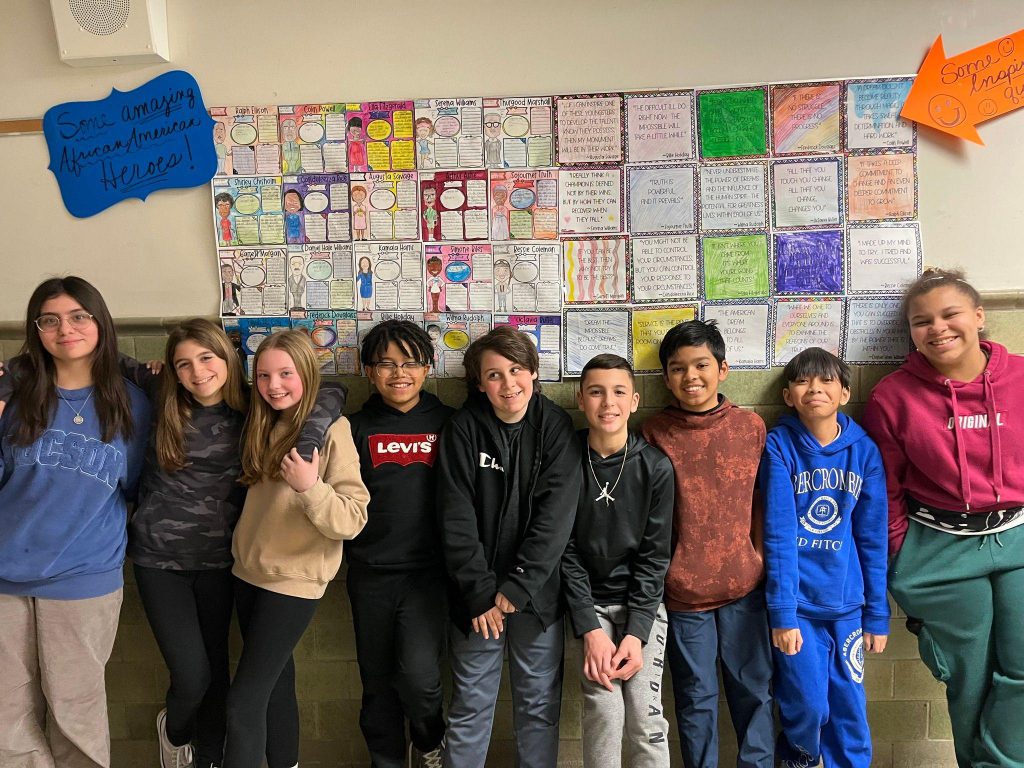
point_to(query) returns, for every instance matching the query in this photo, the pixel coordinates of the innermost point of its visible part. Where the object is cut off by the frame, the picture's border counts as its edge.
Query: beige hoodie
(289, 542)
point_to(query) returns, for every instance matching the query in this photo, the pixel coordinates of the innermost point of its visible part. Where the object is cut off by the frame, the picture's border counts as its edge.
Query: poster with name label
(745, 328)
(803, 323)
(594, 331)
(546, 333)
(453, 205)
(449, 133)
(334, 339)
(451, 333)
(781, 210)
(367, 320)
(247, 333)
(649, 326)
(388, 276)
(527, 277)
(312, 138)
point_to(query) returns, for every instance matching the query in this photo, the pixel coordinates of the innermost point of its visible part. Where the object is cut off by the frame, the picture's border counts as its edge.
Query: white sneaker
(432, 759)
(170, 755)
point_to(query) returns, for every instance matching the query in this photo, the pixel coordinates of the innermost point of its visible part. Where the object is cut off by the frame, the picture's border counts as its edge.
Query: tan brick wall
(906, 706)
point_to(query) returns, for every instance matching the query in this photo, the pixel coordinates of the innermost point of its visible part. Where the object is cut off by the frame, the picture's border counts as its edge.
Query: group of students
(472, 532)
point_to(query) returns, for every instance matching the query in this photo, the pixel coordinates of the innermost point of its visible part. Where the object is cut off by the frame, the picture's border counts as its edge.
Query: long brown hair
(175, 403)
(261, 456)
(35, 388)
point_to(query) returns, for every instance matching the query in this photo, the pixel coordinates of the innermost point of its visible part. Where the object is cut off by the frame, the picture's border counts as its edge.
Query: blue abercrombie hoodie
(825, 525)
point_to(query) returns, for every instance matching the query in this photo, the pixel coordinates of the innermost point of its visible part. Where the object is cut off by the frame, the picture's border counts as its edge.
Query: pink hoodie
(936, 439)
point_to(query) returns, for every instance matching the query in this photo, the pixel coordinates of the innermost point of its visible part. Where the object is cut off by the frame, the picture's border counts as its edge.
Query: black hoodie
(396, 459)
(472, 500)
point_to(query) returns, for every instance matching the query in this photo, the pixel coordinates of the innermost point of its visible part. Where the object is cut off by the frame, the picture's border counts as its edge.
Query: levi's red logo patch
(403, 449)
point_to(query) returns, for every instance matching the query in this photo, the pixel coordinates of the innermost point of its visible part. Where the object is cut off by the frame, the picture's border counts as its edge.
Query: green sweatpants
(969, 592)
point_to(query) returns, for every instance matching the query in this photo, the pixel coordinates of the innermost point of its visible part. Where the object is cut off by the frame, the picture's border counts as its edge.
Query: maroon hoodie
(937, 439)
(717, 523)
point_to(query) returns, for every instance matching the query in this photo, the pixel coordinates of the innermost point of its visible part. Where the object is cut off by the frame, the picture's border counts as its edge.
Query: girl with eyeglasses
(71, 446)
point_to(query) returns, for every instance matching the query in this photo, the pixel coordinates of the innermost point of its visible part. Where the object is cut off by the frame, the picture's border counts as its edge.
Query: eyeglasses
(491, 125)
(49, 323)
(387, 367)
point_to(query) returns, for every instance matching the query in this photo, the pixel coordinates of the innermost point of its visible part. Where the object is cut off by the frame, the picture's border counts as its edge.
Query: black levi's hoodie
(473, 504)
(619, 550)
(397, 452)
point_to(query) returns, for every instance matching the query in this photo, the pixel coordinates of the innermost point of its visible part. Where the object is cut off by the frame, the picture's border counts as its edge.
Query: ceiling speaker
(94, 33)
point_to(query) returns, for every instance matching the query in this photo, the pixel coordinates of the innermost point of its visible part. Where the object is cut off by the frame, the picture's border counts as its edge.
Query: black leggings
(190, 613)
(263, 714)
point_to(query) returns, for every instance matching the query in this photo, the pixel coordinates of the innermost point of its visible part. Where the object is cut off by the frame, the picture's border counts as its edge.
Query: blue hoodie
(62, 501)
(824, 526)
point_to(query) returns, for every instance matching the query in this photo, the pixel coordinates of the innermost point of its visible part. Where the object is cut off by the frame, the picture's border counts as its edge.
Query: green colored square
(732, 123)
(735, 267)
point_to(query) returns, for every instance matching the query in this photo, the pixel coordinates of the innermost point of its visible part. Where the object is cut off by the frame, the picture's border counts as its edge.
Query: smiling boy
(396, 581)
(508, 484)
(713, 592)
(826, 518)
(613, 572)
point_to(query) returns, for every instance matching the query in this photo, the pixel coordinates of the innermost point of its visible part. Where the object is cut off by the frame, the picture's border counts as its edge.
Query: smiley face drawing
(987, 107)
(1005, 46)
(947, 110)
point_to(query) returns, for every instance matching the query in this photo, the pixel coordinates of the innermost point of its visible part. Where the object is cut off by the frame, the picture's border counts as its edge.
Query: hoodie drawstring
(961, 449)
(995, 439)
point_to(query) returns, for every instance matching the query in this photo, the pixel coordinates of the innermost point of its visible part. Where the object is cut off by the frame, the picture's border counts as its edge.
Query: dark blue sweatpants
(820, 692)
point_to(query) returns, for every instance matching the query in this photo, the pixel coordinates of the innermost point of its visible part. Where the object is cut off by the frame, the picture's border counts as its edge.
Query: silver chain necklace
(79, 418)
(606, 492)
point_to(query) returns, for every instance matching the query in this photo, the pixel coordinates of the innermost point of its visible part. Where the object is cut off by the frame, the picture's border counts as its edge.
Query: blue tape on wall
(130, 144)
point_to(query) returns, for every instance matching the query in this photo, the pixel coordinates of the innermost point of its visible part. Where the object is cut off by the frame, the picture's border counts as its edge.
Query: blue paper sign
(131, 144)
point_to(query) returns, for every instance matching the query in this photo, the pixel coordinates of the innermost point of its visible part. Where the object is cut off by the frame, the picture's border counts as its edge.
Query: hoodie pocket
(932, 655)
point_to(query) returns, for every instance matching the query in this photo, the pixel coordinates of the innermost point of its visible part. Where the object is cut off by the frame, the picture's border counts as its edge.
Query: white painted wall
(156, 258)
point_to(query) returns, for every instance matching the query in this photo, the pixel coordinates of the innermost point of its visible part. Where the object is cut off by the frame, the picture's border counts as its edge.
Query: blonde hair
(261, 455)
(174, 402)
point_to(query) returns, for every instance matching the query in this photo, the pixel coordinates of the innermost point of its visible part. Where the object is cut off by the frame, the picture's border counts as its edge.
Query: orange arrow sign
(954, 95)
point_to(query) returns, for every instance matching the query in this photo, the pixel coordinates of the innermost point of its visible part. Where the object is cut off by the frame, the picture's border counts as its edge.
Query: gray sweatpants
(633, 712)
(53, 698)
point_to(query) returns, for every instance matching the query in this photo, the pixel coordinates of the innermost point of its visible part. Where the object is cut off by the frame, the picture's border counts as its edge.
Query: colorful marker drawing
(247, 210)
(247, 141)
(334, 338)
(803, 323)
(458, 277)
(380, 136)
(546, 333)
(809, 262)
(388, 276)
(453, 205)
(312, 138)
(589, 331)
(524, 205)
(316, 208)
(518, 132)
(590, 200)
(319, 277)
(733, 122)
(252, 281)
(649, 326)
(451, 333)
(659, 127)
(596, 270)
(873, 114)
(735, 266)
(881, 187)
(449, 133)
(384, 206)
(806, 118)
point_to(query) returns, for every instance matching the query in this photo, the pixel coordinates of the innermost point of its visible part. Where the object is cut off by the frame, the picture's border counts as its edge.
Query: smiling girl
(71, 445)
(286, 547)
(948, 425)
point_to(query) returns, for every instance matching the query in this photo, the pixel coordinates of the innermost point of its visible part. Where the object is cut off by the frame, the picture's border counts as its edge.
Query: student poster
(733, 122)
(316, 208)
(388, 277)
(806, 193)
(451, 333)
(803, 323)
(458, 277)
(649, 326)
(527, 277)
(745, 328)
(735, 266)
(873, 114)
(247, 141)
(334, 339)
(384, 206)
(876, 331)
(247, 210)
(247, 333)
(546, 333)
(809, 262)
(733, 196)
(662, 198)
(664, 268)
(806, 118)
(883, 258)
(312, 138)
(589, 128)
(518, 132)
(453, 205)
(524, 205)
(379, 136)
(881, 187)
(449, 133)
(659, 127)
(252, 282)
(318, 277)
(595, 269)
(590, 200)
(593, 331)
